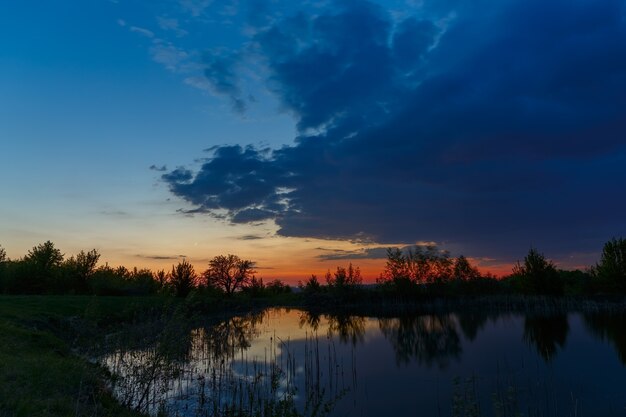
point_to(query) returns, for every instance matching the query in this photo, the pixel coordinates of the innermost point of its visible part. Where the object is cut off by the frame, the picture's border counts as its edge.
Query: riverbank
(40, 372)
(44, 370)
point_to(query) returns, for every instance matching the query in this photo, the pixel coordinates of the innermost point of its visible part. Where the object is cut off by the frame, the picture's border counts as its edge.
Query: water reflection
(609, 327)
(546, 333)
(348, 329)
(429, 339)
(472, 322)
(228, 337)
(276, 359)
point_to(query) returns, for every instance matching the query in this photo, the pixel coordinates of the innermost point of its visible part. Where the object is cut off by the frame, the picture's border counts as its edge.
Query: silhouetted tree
(463, 270)
(229, 273)
(277, 287)
(183, 278)
(160, 277)
(40, 269)
(538, 275)
(419, 265)
(141, 282)
(311, 285)
(81, 268)
(344, 278)
(45, 256)
(5, 282)
(610, 272)
(256, 287)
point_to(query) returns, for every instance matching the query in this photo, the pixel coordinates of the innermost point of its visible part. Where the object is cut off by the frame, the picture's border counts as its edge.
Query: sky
(306, 135)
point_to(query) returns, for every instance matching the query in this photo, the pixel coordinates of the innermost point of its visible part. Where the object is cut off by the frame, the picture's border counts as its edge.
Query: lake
(467, 364)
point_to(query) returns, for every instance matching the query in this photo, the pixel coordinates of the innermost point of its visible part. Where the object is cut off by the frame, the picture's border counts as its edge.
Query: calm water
(428, 365)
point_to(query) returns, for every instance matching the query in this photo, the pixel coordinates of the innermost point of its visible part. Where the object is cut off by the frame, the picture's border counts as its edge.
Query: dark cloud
(379, 252)
(161, 168)
(368, 253)
(487, 128)
(251, 237)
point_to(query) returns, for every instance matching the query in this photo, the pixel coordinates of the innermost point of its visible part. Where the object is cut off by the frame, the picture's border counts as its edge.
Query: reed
(210, 380)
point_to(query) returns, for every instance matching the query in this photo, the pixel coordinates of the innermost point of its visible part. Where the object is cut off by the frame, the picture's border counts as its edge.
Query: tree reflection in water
(609, 327)
(349, 329)
(428, 339)
(472, 322)
(546, 333)
(225, 339)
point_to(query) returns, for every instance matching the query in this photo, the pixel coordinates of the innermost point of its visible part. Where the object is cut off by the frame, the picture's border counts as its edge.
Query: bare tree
(229, 273)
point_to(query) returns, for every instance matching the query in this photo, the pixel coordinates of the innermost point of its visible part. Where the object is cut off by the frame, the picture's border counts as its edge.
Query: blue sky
(302, 134)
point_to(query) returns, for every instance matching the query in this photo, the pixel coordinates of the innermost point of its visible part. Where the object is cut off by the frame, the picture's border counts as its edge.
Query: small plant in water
(197, 375)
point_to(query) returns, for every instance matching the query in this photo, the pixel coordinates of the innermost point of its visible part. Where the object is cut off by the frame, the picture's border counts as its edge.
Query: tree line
(418, 270)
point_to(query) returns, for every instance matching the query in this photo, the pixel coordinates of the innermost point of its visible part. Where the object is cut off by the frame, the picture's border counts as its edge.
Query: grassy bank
(40, 374)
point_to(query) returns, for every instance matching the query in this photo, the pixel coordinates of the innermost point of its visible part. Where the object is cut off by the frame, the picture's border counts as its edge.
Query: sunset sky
(308, 134)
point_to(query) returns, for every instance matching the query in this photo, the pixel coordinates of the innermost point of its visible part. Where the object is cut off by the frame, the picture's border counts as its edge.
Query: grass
(40, 374)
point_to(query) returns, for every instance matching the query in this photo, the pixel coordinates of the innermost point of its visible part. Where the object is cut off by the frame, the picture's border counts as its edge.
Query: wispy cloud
(159, 257)
(158, 168)
(115, 213)
(251, 237)
(142, 31)
(171, 57)
(171, 24)
(195, 7)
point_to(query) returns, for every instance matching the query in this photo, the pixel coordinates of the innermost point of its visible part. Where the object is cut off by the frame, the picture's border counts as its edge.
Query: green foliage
(537, 275)
(610, 272)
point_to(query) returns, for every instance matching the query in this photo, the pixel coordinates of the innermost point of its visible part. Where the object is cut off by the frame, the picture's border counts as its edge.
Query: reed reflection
(428, 339)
